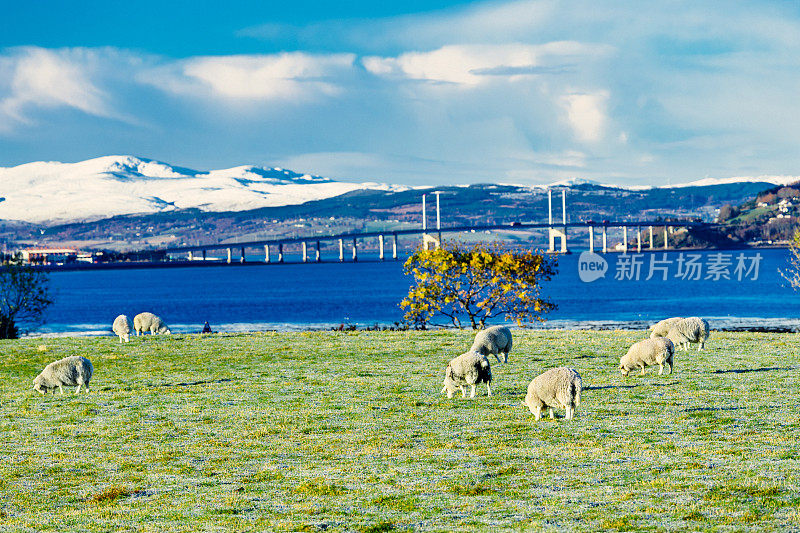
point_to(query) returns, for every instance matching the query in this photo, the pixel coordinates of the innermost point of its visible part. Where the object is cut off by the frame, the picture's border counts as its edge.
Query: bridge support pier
(204, 255)
(229, 256)
(560, 233)
(591, 238)
(266, 253)
(241, 258)
(280, 252)
(305, 252)
(394, 246)
(605, 240)
(651, 237)
(191, 257)
(429, 240)
(380, 247)
(341, 250)
(666, 238)
(355, 251)
(319, 253)
(638, 240)
(624, 239)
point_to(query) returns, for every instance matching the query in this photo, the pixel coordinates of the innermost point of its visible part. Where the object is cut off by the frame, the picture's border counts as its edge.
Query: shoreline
(727, 324)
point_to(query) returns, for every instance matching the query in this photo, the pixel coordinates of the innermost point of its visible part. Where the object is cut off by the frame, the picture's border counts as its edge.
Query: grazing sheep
(493, 340)
(558, 387)
(648, 352)
(470, 369)
(144, 322)
(689, 330)
(70, 371)
(122, 326)
(662, 328)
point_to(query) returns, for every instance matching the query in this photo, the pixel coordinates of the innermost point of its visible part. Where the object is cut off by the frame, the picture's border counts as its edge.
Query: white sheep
(493, 340)
(470, 369)
(558, 387)
(70, 371)
(122, 326)
(656, 351)
(144, 322)
(661, 329)
(689, 330)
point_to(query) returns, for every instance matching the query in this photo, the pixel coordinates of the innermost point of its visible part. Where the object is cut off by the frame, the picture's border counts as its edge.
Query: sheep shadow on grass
(748, 370)
(191, 383)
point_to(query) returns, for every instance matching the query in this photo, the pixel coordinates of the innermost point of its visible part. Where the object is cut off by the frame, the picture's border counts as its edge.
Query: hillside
(771, 217)
(125, 202)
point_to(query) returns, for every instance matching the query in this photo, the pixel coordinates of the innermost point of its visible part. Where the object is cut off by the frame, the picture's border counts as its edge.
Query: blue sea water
(725, 288)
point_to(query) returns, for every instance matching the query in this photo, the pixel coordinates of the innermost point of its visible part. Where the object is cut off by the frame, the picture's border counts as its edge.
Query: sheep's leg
(570, 413)
(552, 414)
(660, 369)
(472, 391)
(642, 370)
(59, 388)
(505, 358)
(488, 390)
(463, 392)
(497, 355)
(449, 394)
(77, 390)
(537, 412)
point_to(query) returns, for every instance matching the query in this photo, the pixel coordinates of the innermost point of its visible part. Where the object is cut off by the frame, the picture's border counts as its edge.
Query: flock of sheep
(556, 388)
(78, 370)
(561, 387)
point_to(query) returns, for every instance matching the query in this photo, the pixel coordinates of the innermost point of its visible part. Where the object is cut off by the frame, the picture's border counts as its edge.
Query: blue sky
(418, 92)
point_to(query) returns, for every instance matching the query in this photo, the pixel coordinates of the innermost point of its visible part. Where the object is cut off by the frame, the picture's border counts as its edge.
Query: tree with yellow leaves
(477, 283)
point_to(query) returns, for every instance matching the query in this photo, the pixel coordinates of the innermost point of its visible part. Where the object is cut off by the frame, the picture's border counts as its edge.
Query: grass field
(349, 432)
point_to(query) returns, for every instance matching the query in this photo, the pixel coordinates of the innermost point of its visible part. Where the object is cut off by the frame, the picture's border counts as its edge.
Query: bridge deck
(453, 229)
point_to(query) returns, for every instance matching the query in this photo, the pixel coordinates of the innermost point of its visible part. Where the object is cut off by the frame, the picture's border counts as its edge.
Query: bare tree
(24, 297)
(792, 274)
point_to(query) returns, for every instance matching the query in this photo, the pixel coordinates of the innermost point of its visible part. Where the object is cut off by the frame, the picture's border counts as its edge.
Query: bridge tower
(554, 232)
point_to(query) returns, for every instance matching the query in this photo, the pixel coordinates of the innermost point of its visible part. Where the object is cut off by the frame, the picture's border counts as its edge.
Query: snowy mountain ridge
(52, 192)
(49, 193)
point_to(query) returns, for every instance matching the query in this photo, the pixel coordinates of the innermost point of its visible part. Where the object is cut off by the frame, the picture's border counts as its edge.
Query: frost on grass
(349, 432)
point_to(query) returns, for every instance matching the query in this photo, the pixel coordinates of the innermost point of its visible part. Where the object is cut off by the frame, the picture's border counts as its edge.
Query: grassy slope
(349, 432)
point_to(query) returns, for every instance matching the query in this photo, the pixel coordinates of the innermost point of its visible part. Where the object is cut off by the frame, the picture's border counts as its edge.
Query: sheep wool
(470, 369)
(655, 351)
(493, 340)
(70, 371)
(122, 326)
(661, 329)
(144, 322)
(689, 330)
(556, 388)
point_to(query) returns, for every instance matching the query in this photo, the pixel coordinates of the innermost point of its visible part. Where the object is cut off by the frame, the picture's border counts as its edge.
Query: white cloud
(286, 76)
(586, 114)
(473, 64)
(42, 78)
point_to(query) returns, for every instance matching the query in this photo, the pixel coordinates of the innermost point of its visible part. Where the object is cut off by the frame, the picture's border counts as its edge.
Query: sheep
(73, 370)
(689, 330)
(493, 340)
(469, 368)
(144, 322)
(122, 326)
(662, 328)
(648, 352)
(557, 387)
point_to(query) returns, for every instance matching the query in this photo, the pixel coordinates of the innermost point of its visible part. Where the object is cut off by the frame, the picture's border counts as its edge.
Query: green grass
(349, 432)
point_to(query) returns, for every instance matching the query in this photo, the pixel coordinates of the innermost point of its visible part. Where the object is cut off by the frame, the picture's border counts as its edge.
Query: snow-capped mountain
(51, 192)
